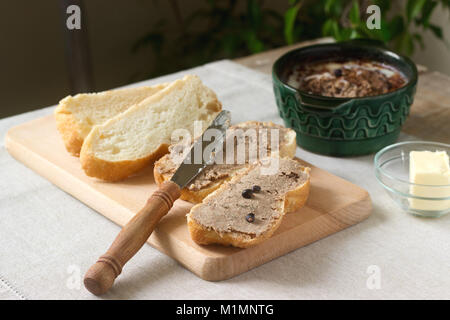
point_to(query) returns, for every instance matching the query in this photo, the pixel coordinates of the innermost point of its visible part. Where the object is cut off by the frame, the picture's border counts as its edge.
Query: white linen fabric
(48, 239)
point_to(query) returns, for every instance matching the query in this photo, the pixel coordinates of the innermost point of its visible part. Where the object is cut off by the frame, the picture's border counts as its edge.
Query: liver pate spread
(170, 162)
(227, 209)
(355, 78)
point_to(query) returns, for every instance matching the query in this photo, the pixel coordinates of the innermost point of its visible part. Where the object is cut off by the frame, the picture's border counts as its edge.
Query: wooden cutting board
(333, 205)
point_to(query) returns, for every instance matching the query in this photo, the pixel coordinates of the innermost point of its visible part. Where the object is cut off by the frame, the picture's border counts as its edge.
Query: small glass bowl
(392, 172)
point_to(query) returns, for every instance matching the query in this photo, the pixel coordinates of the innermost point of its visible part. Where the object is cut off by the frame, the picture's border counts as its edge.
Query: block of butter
(429, 168)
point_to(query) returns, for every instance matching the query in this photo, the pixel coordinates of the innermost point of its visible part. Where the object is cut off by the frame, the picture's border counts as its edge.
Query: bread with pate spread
(214, 175)
(76, 115)
(234, 215)
(140, 135)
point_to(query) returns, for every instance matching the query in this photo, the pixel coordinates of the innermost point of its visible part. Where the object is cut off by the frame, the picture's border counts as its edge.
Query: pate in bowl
(344, 99)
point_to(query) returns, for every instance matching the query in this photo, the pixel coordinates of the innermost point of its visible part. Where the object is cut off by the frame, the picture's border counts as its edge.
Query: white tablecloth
(48, 239)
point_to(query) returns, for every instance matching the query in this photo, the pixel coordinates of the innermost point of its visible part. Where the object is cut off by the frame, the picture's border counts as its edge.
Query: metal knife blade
(191, 165)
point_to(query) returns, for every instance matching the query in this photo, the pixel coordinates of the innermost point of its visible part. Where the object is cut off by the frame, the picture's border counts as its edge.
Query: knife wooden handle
(100, 276)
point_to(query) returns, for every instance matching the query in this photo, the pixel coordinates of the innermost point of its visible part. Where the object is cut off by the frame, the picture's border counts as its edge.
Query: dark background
(34, 71)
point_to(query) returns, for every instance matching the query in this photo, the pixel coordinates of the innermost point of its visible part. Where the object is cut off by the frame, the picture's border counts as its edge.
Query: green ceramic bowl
(344, 126)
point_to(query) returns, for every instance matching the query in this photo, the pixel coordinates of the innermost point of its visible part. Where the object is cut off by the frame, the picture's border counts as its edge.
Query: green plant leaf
(419, 39)
(413, 8)
(328, 6)
(384, 33)
(354, 13)
(331, 28)
(327, 28)
(229, 44)
(427, 11)
(289, 21)
(405, 44)
(396, 26)
(253, 43)
(437, 31)
(254, 13)
(385, 5)
(332, 8)
(347, 34)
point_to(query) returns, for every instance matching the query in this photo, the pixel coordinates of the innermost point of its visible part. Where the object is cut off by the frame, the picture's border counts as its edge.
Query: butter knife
(101, 275)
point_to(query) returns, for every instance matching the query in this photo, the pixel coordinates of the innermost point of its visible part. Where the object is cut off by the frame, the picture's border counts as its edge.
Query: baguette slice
(76, 116)
(221, 217)
(214, 175)
(137, 137)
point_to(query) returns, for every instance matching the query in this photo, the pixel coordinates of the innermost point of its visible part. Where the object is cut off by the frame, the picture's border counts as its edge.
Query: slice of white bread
(222, 217)
(214, 175)
(137, 137)
(77, 115)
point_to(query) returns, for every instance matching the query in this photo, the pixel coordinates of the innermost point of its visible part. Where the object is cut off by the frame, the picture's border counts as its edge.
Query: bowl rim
(379, 170)
(410, 82)
(409, 195)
